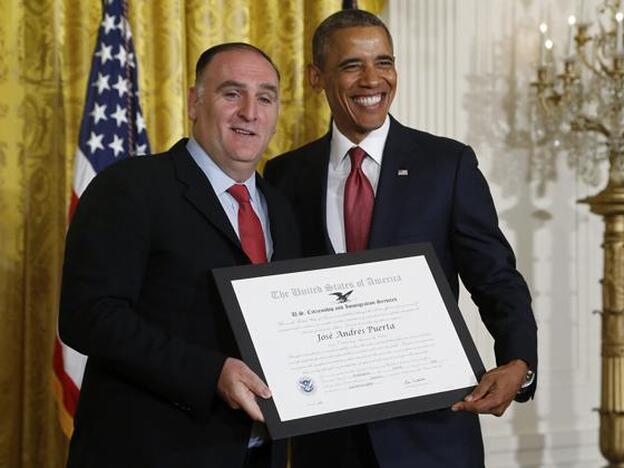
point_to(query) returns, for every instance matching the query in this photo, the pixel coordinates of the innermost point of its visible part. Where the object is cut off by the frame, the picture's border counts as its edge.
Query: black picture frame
(279, 429)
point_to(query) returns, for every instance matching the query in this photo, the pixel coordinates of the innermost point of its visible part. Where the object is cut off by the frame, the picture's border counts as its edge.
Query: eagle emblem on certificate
(306, 385)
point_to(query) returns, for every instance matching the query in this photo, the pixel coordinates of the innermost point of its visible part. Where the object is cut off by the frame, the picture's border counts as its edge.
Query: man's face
(359, 79)
(234, 110)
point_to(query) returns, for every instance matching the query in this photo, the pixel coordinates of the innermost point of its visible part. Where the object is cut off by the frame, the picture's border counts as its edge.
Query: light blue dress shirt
(220, 182)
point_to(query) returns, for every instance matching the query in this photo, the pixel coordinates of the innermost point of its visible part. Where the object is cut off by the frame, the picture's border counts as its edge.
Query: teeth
(242, 131)
(368, 100)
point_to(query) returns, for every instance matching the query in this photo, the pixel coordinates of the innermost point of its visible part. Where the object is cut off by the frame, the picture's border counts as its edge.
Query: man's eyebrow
(231, 84)
(355, 61)
(349, 61)
(270, 87)
(239, 85)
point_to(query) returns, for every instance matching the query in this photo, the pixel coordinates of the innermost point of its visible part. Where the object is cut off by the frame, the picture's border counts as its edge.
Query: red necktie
(249, 227)
(358, 203)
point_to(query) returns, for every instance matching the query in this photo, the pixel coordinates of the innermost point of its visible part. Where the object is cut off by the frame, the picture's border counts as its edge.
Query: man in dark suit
(163, 386)
(371, 182)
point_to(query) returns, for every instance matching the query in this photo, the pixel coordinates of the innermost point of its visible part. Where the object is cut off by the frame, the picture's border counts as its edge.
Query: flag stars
(122, 86)
(140, 122)
(109, 23)
(105, 53)
(108, 111)
(98, 112)
(124, 28)
(95, 142)
(120, 115)
(122, 56)
(102, 83)
(116, 145)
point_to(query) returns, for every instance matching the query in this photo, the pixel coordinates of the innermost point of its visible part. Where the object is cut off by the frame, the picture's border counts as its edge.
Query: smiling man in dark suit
(372, 182)
(163, 385)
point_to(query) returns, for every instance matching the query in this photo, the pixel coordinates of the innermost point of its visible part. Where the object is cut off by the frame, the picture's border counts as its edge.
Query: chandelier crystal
(578, 104)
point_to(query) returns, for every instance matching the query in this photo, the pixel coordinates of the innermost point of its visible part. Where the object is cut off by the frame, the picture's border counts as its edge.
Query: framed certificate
(351, 338)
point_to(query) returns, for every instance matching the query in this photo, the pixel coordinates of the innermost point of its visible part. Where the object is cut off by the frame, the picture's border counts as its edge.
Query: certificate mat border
(279, 429)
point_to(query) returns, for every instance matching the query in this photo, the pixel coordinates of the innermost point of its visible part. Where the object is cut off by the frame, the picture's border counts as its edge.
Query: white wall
(464, 72)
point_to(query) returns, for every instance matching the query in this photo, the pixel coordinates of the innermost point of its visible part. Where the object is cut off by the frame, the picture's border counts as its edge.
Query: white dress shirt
(338, 171)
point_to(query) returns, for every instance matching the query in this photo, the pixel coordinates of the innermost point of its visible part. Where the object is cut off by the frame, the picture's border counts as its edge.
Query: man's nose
(370, 76)
(248, 109)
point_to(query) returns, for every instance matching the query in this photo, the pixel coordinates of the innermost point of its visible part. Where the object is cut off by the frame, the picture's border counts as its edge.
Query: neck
(238, 175)
(354, 136)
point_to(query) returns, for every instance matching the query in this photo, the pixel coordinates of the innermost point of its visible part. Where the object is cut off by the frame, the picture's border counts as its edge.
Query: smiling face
(234, 110)
(359, 79)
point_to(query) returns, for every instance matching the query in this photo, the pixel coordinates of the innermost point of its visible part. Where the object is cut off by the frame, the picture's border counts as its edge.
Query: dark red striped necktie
(249, 226)
(359, 199)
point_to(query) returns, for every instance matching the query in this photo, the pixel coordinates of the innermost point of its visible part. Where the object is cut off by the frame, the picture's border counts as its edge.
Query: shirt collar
(219, 180)
(373, 144)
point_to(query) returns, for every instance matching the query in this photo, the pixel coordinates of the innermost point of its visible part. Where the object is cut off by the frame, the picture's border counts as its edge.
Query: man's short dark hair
(340, 20)
(206, 57)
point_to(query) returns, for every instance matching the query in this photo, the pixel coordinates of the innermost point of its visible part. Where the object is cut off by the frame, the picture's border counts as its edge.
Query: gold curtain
(46, 48)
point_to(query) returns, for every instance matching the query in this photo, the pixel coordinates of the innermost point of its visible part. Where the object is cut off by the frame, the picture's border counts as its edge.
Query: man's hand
(238, 385)
(496, 390)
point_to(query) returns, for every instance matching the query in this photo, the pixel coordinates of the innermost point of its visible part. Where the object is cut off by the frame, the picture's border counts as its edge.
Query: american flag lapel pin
(402, 172)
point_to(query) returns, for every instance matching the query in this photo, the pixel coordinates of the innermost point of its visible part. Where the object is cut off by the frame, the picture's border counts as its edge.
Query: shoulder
(132, 178)
(137, 169)
(429, 142)
(306, 154)
(308, 150)
(146, 163)
(440, 154)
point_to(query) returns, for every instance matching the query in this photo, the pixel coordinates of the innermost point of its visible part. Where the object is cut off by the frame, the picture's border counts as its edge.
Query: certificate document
(351, 338)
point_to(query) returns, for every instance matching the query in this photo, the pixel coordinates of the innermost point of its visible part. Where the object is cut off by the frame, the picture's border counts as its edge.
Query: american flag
(349, 4)
(112, 128)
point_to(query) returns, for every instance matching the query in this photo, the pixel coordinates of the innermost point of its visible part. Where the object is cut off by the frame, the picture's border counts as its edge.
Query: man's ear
(315, 78)
(192, 100)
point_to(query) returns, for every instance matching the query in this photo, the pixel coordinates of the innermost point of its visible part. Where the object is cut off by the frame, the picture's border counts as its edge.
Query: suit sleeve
(487, 266)
(106, 258)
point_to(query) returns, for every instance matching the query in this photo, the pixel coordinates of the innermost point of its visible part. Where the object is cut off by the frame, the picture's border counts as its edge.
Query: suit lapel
(311, 180)
(400, 170)
(200, 193)
(276, 222)
(317, 171)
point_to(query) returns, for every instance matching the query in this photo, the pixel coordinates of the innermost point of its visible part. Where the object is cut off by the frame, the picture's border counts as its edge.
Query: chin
(370, 125)
(247, 158)
(245, 154)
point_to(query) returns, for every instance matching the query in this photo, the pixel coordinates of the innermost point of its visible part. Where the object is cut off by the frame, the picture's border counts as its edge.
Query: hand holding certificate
(353, 338)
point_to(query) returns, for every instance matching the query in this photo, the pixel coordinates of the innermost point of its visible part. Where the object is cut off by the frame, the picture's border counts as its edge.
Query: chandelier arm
(608, 72)
(593, 101)
(587, 124)
(589, 66)
(547, 103)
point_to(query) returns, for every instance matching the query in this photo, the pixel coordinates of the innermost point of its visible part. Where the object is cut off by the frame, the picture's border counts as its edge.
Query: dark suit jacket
(139, 299)
(445, 200)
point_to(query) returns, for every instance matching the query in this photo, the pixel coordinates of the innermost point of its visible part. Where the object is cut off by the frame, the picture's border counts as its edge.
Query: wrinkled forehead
(344, 37)
(358, 42)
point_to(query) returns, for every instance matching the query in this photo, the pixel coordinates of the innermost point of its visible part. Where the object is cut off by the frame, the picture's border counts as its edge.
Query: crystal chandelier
(578, 104)
(578, 109)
